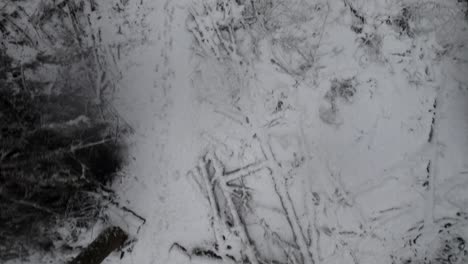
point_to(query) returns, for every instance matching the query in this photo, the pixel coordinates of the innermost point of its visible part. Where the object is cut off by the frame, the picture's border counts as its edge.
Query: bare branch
(283, 194)
(238, 223)
(245, 171)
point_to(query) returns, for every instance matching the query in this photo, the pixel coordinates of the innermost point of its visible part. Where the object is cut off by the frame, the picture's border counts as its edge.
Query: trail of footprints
(167, 71)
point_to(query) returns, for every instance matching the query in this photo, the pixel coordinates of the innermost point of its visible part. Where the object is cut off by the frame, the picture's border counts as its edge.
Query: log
(109, 240)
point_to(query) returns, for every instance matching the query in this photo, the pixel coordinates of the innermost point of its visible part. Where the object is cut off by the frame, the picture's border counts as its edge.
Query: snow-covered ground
(331, 132)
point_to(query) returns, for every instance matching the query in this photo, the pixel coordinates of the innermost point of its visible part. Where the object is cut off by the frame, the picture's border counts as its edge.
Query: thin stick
(90, 145)
(28, 204)
(244, 172)
(321, 33)
(250, 250)
(283, 193)
(213, 204)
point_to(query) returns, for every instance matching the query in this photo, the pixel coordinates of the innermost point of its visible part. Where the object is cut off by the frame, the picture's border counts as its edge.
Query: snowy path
(163, 112)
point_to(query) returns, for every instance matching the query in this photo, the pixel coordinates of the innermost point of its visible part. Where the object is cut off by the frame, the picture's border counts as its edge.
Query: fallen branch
(238, 224)
(244, 172)
(218, 225)
(108, 241)
(286, 202)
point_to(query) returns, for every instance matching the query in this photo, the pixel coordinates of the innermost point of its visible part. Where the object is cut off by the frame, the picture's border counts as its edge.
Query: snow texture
(293, 131)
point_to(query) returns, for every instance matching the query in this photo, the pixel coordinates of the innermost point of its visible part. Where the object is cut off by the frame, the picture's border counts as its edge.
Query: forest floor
(338, 134)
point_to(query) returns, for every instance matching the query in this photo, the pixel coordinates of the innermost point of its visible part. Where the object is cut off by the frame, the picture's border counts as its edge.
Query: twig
(97, 66)
(130, 211)
(283, 194)
(244, 172)
(432, 168)
(239, 225)
(28, 204)
(29, 39)
(74, 24)
(37, 158)
(52, 154)
(124, 208)
(216, 221)
(321, 33)
(90, 145)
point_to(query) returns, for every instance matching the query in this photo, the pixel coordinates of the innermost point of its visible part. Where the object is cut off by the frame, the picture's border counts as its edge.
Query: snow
(328, 181)
(363, 161)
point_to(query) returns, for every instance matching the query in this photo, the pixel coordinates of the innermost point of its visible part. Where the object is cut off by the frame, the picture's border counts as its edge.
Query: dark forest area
(61, 141)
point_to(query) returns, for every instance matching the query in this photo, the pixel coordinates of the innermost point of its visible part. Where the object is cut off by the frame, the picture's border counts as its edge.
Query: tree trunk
(109, 240)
